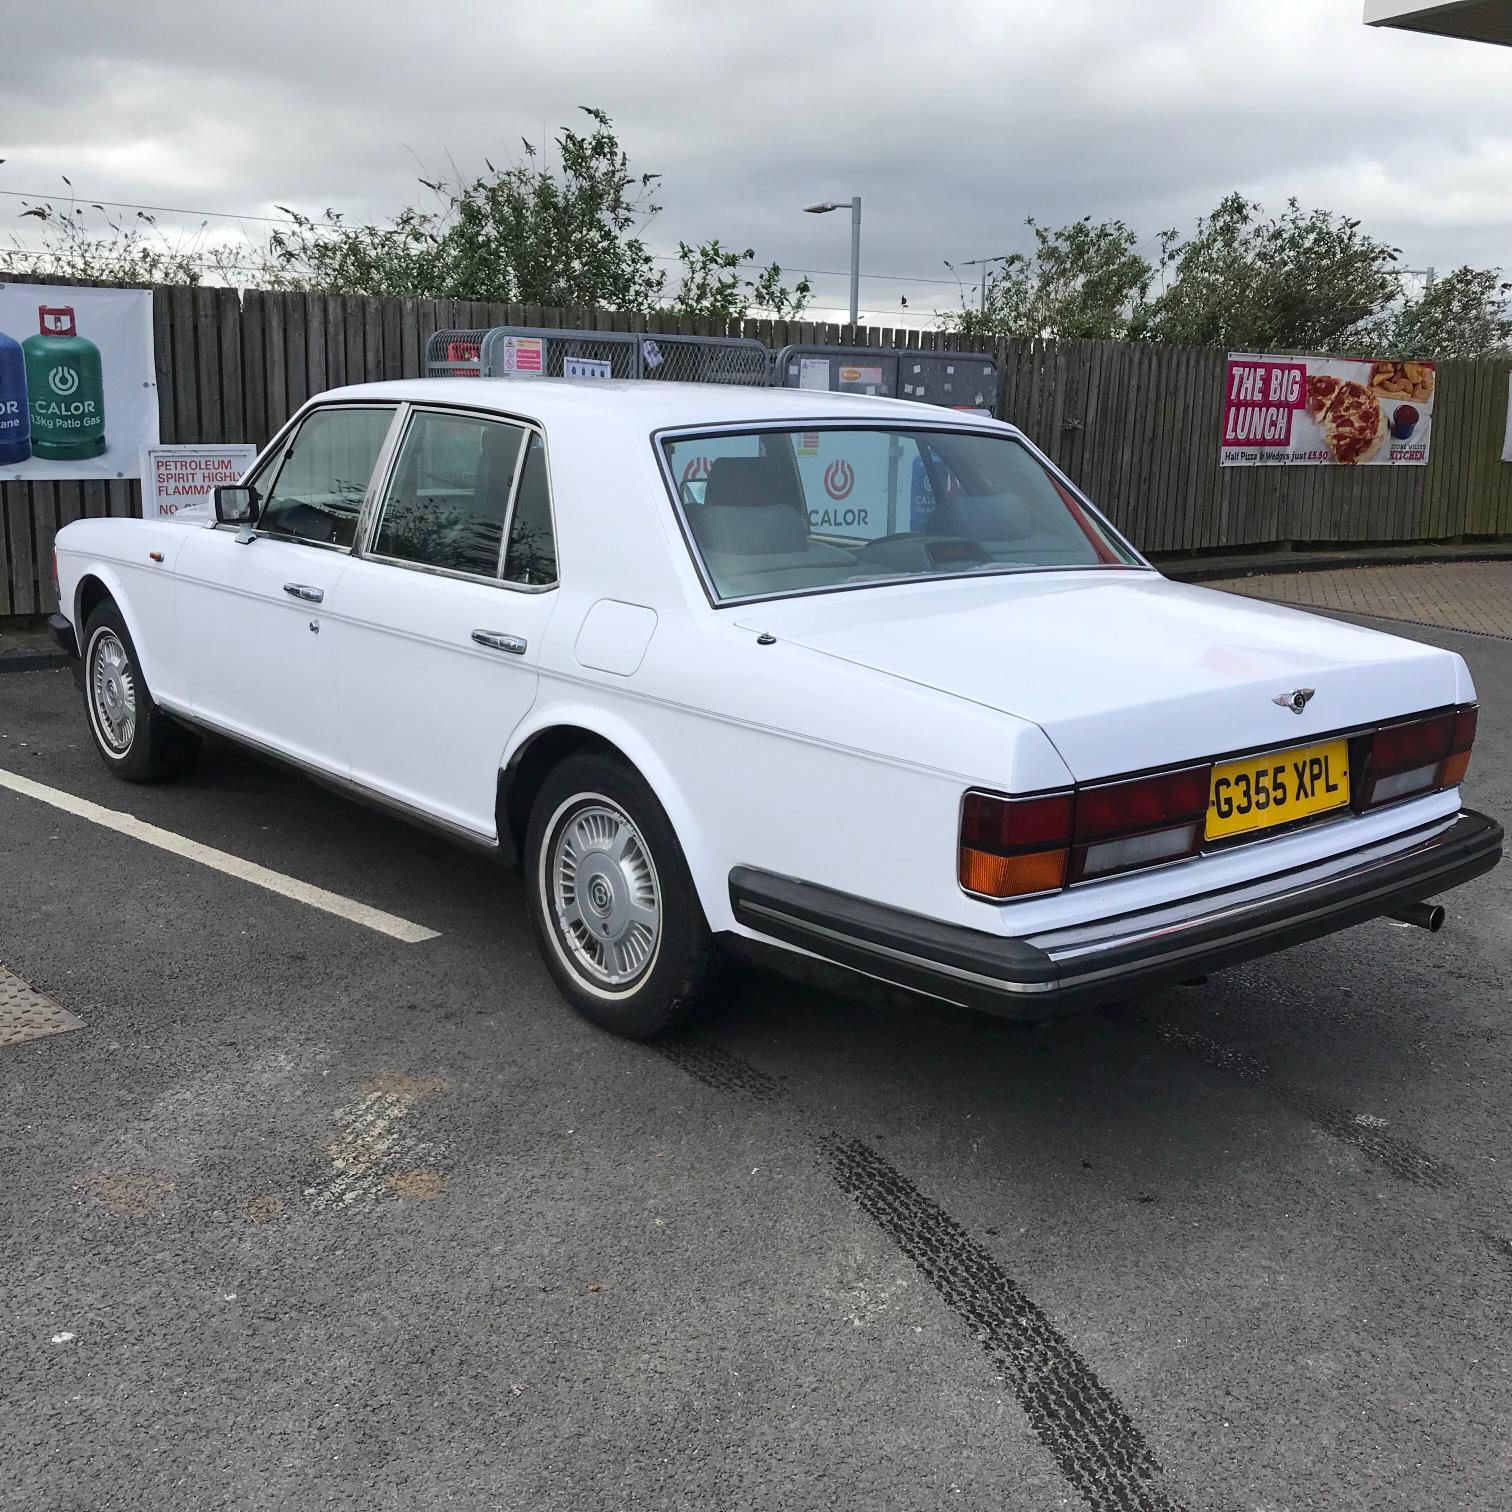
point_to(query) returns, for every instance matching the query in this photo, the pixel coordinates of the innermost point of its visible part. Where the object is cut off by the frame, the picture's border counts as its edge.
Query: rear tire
(135, 738)
(615, 912)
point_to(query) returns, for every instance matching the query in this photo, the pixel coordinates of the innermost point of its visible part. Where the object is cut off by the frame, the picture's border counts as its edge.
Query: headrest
(746, 481)
(750, 530)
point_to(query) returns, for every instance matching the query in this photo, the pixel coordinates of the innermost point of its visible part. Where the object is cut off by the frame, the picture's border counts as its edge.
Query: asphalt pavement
(306, 1215)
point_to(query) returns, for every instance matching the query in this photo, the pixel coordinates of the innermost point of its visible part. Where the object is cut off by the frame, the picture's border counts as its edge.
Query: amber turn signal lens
(1012, 876)
(1452, 772)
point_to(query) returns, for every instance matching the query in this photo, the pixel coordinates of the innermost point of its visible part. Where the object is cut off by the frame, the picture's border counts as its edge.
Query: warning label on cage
(520, 357)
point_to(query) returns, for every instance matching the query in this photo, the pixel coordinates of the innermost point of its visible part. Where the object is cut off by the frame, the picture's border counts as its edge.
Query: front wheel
(613, 906)
(134, 737)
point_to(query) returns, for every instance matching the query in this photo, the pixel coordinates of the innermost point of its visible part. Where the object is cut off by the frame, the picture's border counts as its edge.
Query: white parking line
(222, 861)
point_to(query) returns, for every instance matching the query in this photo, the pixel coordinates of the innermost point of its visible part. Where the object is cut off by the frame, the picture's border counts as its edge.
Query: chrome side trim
(379, 560)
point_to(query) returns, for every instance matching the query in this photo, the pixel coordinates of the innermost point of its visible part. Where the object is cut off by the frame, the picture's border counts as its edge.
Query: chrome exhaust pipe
(1429, 916)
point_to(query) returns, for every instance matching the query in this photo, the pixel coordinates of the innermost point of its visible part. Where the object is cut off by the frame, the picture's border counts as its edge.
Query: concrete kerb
(32, 661)
(25, 646)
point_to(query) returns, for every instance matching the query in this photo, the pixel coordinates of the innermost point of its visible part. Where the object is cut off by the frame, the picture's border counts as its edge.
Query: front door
(256, 608)
(444, 612)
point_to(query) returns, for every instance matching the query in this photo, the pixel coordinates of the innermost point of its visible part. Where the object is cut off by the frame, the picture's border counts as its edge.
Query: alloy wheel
(604, 895)
(112, 692)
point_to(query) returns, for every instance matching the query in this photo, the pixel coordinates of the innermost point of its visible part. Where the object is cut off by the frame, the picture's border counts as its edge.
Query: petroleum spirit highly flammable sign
(78, 392)
(1326, 411)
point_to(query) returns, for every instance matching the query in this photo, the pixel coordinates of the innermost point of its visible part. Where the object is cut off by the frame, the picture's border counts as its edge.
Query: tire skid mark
(1363, 1132)
(1093, 1440)
(1366, 1134)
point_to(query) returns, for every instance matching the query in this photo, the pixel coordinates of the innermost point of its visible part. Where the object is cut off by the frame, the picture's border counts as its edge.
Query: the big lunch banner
(1326, 411)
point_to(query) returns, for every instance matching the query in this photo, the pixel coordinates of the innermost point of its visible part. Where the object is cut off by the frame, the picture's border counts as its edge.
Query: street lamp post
(983, 263)
(823, 208)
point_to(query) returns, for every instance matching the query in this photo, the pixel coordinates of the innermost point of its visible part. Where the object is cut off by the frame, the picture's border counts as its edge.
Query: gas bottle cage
(542, 352)
(965, 381)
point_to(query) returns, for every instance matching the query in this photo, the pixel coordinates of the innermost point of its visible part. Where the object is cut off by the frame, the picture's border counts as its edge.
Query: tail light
(57, 587)
(1417, 756)
(1142, 822)
(1011, 847)
(1014, 846)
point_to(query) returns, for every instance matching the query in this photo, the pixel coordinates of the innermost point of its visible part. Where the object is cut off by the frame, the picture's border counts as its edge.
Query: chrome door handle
(500, 642)
(302, 591)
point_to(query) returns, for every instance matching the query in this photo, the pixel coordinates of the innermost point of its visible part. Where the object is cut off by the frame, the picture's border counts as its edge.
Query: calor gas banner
(78, 387)
(1326, 411)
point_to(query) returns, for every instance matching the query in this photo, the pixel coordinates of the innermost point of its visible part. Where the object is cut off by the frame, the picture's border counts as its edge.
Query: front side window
(448, 498)
(781, 512)
(316, 490)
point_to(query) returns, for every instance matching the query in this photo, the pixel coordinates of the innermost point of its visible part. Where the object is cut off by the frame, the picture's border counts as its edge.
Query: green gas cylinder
(66, 389)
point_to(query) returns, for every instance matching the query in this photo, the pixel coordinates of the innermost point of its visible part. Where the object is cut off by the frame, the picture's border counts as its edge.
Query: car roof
(651, 405)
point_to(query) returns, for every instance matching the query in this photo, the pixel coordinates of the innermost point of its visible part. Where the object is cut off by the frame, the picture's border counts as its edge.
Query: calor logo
(839, 479)
(63, 381)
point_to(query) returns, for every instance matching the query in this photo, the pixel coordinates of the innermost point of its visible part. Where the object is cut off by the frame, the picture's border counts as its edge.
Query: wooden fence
(1137, 426)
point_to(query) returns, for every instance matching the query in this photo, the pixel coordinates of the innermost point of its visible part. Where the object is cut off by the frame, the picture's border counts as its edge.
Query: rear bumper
(1060, 971)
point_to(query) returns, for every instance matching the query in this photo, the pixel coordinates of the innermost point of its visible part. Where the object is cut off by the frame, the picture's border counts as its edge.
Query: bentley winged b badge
(1296, 700)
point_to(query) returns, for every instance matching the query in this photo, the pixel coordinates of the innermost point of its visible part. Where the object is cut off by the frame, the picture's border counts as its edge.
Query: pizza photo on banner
(78, 386)
(1326, 411)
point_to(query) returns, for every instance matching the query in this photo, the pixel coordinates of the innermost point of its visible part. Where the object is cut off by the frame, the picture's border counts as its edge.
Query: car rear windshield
(775, 512)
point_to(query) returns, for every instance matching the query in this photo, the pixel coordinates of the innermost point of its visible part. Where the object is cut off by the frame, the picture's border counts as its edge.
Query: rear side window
(449, 494)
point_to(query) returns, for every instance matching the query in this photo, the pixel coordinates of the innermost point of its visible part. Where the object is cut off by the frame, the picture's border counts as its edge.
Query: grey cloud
(952, 124)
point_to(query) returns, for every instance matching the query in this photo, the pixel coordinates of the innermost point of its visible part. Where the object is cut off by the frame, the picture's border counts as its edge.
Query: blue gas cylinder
(15, 418)
(921, 499)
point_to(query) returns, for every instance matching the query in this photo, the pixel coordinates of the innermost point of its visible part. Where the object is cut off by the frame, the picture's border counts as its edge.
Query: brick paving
(1456, 595)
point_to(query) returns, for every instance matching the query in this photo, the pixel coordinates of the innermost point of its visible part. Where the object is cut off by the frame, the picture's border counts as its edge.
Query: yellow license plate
(1279, 788)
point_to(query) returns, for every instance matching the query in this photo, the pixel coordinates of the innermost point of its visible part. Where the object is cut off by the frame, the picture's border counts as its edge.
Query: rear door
(444, 613)
(256, 608)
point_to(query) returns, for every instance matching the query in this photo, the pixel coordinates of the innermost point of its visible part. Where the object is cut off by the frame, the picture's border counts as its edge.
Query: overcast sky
(952, 121)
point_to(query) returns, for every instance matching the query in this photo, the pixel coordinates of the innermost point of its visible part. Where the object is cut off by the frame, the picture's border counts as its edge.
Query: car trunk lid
(1123, 670)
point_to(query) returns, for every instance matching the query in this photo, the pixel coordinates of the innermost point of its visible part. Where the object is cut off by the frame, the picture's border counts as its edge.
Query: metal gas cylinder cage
(546, 352)
(955, 380)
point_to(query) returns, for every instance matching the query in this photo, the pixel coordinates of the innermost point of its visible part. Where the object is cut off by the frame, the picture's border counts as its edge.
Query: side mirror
(236, 504)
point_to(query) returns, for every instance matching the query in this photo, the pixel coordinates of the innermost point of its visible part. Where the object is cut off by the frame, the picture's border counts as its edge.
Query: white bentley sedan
(858, 678)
